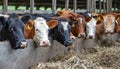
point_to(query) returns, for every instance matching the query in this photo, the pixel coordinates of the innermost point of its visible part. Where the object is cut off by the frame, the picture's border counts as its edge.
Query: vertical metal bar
(75, 5)
(94, 5)
(54, 6)
(100, 6)
(104, 9)
(88, 5)
(107, 5)
(5, 5)
(66, 4)
(31, 6)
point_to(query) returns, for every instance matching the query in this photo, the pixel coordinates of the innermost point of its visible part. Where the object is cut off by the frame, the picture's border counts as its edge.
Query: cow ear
(52, 23)
(25, 18)
(59, 12)
(99, 17)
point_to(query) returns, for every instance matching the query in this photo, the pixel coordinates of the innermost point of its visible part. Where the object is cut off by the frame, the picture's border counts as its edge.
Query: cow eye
(12, 29)
(36, 29)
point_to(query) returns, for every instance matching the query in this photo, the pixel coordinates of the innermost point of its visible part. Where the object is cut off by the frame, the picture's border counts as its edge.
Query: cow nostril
(44, 42)
(91, 37)
(82, 35)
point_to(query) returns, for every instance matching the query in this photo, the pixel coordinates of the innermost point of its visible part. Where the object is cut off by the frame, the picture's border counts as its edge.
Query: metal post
(100, 6)
(94, 5)
(75, 5)
(104, 7)
(88, 5)
(32, 6)
(54, 6)
(5, 5)
(66, 4)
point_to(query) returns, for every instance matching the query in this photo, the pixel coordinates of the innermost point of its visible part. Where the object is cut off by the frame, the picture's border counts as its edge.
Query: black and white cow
(61, 32)
(12, 29)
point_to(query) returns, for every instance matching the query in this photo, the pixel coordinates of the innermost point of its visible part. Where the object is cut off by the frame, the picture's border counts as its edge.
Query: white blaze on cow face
(41, 32)
(109, 23)
(65, 25)
(91, 28)
(80, 20)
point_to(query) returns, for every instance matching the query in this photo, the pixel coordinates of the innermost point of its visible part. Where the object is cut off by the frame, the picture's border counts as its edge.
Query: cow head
(61, 32)
(42, 30)
(15, 29)
(117, 24)
(109, 23)
(29, 26)
(91, 28)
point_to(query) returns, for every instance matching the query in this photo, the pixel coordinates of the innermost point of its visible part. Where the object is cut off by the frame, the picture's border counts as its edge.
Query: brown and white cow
(38, 30)
(109, 22)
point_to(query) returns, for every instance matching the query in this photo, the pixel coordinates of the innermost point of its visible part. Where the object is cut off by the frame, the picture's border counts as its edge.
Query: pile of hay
(92, 58)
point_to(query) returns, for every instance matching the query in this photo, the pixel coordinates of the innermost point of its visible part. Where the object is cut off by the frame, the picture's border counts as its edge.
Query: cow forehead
(41, 25)
(109, 18)
(92, 22)
(65, 25)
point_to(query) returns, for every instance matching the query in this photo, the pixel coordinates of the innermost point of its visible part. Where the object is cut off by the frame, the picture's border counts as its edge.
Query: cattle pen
(85, 53)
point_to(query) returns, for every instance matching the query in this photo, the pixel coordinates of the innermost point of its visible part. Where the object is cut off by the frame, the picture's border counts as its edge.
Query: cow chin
(41, 43)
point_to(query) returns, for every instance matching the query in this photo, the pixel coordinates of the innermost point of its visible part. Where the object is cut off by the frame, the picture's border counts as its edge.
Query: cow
(109, 22)
(42, 30)
(12, 30)
(38, 30)
(61, 32)
(90, 26)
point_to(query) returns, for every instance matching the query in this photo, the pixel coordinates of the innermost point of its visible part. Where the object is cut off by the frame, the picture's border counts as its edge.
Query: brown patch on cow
(99, 28)
(88, 19)
(29, 29)
(52, 23)
(63, 12)
(117, 24)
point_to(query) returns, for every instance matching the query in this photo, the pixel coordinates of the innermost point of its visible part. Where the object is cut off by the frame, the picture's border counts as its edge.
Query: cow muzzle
(45, 43)
(81, 35)
(68, 43)
(23, 44)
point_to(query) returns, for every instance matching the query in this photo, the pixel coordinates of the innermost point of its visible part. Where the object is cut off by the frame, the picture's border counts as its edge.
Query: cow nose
(91, 36)
(82, 34)
(23, 44)
(69, 43)
(45, 43)
(109, 31)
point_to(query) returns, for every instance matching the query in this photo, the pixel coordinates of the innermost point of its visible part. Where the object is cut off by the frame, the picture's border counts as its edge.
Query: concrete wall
(23, 58)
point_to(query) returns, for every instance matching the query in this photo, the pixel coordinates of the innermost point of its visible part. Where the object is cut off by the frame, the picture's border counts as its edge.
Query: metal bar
(5, 5)
(66, 4)
(88, 5)
(75, 5)
(100, 6)
(31, 6)
(54, 6)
